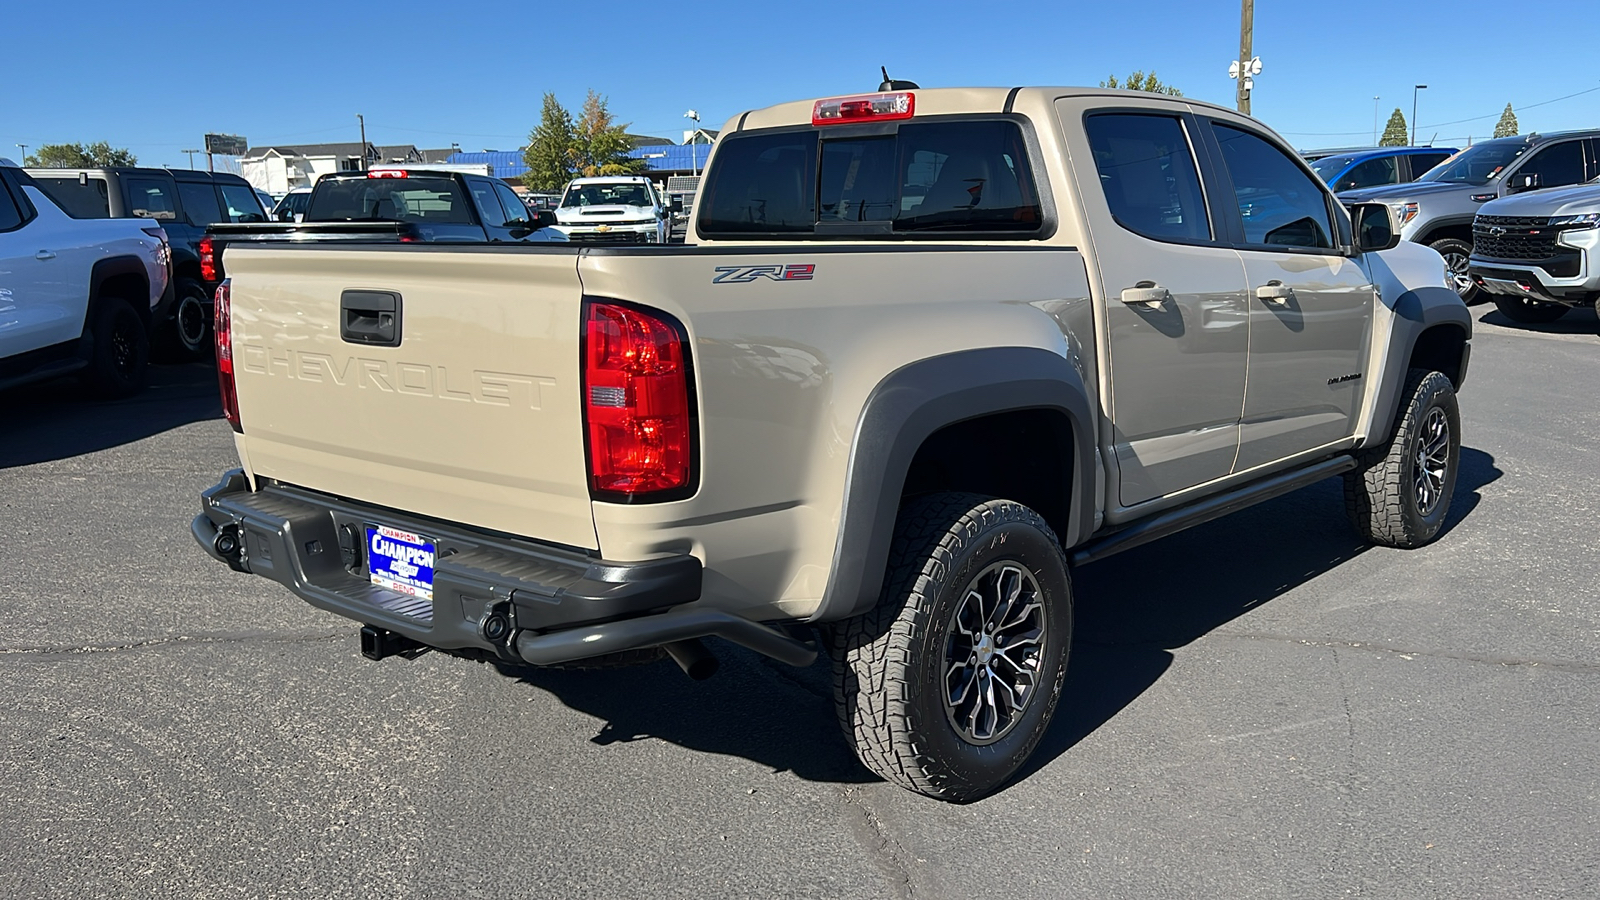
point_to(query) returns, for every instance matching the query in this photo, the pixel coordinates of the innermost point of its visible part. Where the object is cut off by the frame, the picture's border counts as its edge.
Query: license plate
(400, 561)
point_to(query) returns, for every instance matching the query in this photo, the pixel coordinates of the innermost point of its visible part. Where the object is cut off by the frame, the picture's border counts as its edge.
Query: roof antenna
(890, 84)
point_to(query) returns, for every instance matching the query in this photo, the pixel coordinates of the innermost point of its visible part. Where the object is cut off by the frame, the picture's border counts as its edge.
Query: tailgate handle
(370, 317)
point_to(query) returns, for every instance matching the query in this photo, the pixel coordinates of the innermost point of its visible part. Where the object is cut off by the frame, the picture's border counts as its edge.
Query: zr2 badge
(747, 274)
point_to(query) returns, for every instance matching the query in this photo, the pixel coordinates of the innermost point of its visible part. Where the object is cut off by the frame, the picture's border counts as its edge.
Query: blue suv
(1352, 169)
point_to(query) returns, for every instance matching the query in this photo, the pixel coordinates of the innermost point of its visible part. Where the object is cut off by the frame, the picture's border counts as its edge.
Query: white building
(280, 168)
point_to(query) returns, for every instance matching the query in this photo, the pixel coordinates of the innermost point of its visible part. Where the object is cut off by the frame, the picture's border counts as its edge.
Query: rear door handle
(1149, 293)
(370, 317)
(1275, 292)
(44, 254)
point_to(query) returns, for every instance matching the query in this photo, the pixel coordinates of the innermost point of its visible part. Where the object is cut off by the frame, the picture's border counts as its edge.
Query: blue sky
(429, 74)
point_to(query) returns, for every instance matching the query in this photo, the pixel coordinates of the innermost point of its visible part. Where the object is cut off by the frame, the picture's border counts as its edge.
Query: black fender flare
(1415, 313)
(111, 267)
(908, 406)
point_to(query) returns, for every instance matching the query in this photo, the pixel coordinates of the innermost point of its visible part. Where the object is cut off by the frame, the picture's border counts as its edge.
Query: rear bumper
(498, 596)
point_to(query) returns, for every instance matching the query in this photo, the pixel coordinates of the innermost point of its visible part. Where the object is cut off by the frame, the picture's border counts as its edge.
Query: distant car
(77, 296)
(614, 209)
(1375, 168)
(292, 208)
(1538, 254)
(183, 202)
(265, 198)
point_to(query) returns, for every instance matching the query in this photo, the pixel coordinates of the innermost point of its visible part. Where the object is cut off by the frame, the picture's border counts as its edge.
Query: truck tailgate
(474, 417)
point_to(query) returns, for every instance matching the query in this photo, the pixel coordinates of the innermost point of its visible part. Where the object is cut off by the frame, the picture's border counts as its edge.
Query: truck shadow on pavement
(1581, 321)
(60, 419)
(1132, 610)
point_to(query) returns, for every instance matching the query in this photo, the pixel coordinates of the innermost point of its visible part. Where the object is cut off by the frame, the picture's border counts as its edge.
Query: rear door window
(494, 215)
(149, 198)
(88, 200)
(200, 202)
(1422, 162)
(1281, 204)
(1148, 175)
(10, 213)
(934, 177)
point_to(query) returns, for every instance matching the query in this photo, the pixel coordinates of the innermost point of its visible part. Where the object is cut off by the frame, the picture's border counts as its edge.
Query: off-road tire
(1456, 253)
(889, 664)
(1381, 496)
(120, 351)
(1529, 312)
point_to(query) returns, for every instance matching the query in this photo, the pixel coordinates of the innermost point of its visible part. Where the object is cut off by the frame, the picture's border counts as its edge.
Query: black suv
(181, 201)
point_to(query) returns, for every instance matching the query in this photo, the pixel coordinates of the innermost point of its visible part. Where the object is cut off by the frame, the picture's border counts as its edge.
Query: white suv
(617, 208)
(76, 295)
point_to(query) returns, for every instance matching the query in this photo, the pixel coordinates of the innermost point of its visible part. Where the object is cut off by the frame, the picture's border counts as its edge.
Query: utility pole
(1375, 120)
(191, 156)
(24, 149)
(1420, 87)
(1247, 16)
(362, 119)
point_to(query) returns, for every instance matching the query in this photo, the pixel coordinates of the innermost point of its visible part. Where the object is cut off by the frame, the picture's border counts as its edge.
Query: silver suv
(1538, 253)
(1437, 209)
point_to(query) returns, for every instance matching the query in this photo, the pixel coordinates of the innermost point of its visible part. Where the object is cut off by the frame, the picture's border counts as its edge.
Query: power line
(1443, 124)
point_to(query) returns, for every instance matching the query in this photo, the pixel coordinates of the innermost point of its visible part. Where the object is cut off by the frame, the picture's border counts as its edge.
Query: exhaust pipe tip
(693, 658)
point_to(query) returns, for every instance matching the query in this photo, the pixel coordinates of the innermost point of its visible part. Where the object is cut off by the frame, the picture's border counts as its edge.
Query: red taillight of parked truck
(222, 329)
(208, 260)
(638, 411)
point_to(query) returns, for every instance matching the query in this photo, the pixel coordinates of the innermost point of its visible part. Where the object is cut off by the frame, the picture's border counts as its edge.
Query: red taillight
(388, 173)
(222, 328)
(864, 108)
(636, 402)
(208, 260)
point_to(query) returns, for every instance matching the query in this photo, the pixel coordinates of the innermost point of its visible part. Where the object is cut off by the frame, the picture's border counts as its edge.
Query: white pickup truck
(613, 209)
(926, 351)
(76, 295)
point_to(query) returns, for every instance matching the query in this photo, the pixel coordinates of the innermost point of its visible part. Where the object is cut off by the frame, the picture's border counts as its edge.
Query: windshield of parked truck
(1478, 164)
(607, 195)
(1328, 167)
(435, 201)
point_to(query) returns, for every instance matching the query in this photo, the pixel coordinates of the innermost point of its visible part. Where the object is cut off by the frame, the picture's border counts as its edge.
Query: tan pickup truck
(924, 353)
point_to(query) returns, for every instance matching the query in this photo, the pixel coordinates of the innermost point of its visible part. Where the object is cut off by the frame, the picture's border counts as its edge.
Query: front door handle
(1275, 292)
(44, 254)
(1149, 293)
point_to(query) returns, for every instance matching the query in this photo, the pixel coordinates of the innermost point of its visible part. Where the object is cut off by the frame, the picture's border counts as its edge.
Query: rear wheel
(121, 350)
(189, 335)
(1529, 312)
(1456, 254)
(948, 685)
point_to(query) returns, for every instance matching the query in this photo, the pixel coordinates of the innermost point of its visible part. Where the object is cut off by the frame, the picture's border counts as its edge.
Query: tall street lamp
(1375, 120)
(24, 149)
(694, 149)
(1420, 87)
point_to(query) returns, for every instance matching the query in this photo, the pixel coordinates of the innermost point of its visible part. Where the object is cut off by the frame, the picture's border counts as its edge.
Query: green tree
(1394, 133)
(78, 156)
(1140, 81)
(548, 153)
(1507, 126)
(600, 146)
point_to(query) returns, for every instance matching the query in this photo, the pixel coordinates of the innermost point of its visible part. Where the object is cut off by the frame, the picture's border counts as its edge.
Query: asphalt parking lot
(1259, 707)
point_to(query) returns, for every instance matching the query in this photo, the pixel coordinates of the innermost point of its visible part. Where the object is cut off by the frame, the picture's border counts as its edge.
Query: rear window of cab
(927, 179)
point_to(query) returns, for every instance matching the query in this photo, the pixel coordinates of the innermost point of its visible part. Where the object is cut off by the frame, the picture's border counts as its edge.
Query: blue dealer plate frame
(401, 561)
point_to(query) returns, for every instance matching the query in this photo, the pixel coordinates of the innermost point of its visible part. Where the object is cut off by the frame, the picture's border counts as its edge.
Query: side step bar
(666, 628)
(1210, 508)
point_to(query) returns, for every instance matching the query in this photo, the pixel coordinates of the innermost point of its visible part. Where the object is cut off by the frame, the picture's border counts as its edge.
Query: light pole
(191, 156)
(24, 149)
(694, 148)
(1375, 120)
(1420, 87)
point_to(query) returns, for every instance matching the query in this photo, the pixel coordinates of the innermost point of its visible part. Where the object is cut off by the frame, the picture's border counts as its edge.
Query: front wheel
(947, 686)
(1456, 255)
(1399, 494)
(1529, 312)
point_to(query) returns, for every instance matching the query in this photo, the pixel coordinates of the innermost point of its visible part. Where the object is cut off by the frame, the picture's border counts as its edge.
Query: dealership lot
(1258, 707)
